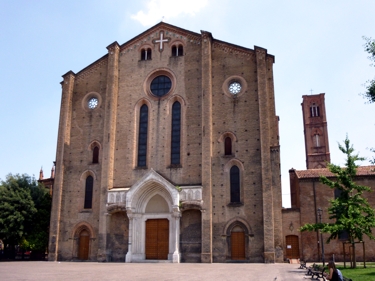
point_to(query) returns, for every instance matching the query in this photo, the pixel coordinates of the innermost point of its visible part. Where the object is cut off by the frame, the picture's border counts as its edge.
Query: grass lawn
(360, 273)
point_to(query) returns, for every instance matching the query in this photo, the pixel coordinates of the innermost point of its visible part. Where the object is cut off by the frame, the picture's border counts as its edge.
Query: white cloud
(157, 10)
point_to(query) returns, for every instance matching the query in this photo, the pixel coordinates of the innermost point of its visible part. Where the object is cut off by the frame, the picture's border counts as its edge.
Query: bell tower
(315, 131)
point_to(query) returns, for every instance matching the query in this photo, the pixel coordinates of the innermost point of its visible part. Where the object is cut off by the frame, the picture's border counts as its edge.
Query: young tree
(349, 212)
(370, 85)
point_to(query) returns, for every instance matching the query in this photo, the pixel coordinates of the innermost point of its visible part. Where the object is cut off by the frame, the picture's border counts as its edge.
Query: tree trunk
(354, 260)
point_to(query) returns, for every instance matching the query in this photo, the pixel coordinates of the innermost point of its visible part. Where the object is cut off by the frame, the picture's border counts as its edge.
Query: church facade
(168, 150)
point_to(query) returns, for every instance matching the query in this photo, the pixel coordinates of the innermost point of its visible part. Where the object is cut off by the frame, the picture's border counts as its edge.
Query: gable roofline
(164, 25)
(171, 28)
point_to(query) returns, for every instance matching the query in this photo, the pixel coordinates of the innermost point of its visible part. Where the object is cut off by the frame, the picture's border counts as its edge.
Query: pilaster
(206, 255)
(108, 145)
(275, 163)
(265, 138)
(63, 139)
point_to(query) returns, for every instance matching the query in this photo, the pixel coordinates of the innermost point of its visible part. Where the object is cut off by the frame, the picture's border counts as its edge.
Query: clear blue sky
(318, 46)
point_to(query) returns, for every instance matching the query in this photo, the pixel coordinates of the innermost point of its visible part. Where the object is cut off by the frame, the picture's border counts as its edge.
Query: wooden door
(157, 239)
(292, 247)
(84, 244)
(238, 245)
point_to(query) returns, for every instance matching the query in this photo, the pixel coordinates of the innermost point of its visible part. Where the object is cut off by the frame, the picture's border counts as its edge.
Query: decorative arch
(140, 217)
(83, 235)
(77, 229)
(237, 221)
(237, 233)
(316, 131)
(87, 173)
(171, 100)
(233, 162)
(141, 102)
(147, 187)
(94, 143)
(176, 41)
(227, 134)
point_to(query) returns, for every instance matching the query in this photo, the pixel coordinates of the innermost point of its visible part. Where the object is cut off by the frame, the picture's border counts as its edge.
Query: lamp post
(320, 212)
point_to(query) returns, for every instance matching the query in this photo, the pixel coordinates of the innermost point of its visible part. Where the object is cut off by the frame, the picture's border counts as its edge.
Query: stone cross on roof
(161, 41)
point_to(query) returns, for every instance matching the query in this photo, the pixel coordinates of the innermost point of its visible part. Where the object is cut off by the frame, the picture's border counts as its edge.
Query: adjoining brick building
(168, 149)
(308, 194)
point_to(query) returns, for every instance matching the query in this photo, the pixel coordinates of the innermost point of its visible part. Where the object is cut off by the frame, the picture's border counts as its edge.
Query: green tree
(370, 85)
(37, 239)
(350, 211)
(16, 209)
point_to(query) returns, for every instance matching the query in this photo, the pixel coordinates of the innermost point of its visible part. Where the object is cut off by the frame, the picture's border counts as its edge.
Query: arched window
(235, 185)
(317, 140)
(88, 192)
(95, 155)
(146, 54)
(314, 110)
(228, 146)
(142, 136)
(177, 51)
(176, 133)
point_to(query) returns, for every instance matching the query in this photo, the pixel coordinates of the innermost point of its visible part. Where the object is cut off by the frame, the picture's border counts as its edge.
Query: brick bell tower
(315, 131)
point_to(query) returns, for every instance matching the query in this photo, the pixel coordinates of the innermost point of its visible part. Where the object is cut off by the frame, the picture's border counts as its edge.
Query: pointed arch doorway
(154, 220)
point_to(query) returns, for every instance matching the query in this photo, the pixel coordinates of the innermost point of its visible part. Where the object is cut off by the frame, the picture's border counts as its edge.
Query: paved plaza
(82, 271)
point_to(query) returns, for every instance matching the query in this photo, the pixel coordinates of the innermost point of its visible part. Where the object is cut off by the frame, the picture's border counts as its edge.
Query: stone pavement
(82, 271)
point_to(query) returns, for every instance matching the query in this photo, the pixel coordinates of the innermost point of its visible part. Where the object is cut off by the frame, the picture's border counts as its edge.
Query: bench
(318, 274)
(302, 265)
(311, 268)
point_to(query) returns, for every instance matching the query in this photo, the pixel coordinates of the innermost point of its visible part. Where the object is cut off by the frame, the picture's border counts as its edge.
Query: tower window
(317, 140)
(142, 136)
(88, 192)
(176, 133)
(314, 110)
(95, 155)
(235, 185)
(228, 146)
(146, 54)
(177, 51)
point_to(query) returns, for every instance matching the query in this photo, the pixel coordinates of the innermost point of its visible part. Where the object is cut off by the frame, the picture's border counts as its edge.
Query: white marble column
(128, 257)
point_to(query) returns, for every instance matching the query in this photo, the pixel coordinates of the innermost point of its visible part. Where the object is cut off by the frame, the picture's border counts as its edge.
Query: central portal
(157, 239)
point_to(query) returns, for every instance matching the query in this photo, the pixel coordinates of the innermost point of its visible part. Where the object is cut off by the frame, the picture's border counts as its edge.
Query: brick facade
(310, 195)
(194, 195)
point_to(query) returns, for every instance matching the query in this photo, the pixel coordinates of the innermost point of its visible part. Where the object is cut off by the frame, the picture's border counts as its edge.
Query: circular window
(234, 88)
(160, 85)
(92, 103)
